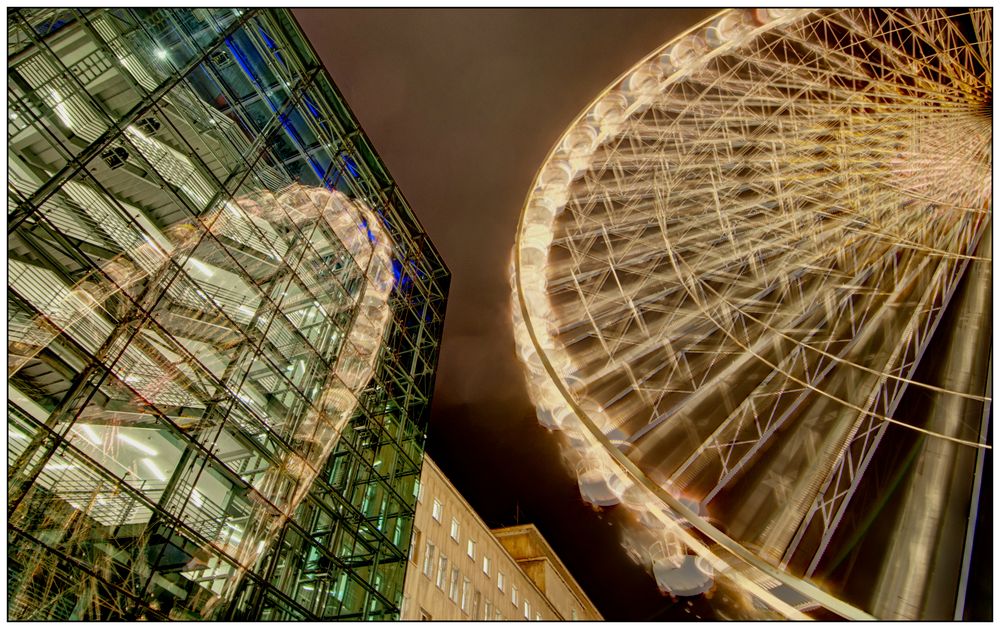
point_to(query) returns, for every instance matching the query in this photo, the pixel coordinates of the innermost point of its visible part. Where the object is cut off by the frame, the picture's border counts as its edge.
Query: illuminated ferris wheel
(728, 279)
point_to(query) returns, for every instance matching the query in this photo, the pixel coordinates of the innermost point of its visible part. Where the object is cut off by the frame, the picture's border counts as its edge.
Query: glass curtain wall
(223, 325)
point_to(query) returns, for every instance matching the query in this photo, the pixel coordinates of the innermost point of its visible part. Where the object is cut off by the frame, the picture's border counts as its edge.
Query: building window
(477, 599)
(488, 610)
(527, 610)
(466, 584)
(513, 595)
(453, 585)
(486, 565)
(500, 581)
(497, 615)
(429, 559)
(115, 157)
(442, 571)
(397, 530)
(572, 614)
(454, 529)
(418, 490)
(414, 544)
(437, 510)
(538, 616)
(148, 125)
(424, 615)
(471, 549)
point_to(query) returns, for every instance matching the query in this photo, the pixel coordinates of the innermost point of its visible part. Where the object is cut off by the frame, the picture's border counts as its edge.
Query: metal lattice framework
(310, 227)
(223, 324)
(732, 263)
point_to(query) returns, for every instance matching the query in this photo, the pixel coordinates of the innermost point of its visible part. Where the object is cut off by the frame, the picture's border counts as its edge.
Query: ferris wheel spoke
(733, 263)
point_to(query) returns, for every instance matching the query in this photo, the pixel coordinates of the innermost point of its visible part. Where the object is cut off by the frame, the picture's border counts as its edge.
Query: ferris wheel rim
(804, 587)
(616, 456)
(779, 17)
(623, 463)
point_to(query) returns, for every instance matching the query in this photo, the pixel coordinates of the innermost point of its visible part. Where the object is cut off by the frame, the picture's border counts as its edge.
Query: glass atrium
(223, 325)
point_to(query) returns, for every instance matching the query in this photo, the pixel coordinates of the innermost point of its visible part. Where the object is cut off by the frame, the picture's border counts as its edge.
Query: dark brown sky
(463, 105)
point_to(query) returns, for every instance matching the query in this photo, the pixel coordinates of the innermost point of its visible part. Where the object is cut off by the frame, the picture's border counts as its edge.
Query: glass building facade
(223, 325)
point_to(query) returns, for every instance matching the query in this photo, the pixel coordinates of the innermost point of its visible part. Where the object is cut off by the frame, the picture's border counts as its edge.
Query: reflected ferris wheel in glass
(752, 289)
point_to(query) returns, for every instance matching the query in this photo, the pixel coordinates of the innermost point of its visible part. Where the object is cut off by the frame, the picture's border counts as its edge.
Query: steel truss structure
(223, 325)
(726, 278)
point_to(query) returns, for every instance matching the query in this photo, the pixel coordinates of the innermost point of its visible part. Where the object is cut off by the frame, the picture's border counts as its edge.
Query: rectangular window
(437, 510)
(466, 584)
(500, 581)
(417, 490)
(477, 599)
(442, 571)
(572, 614)
(527, 611)
(453, 585)
(497, 615)
(488, 610)
(414, 544)
(513, 595)
(538, 616)
(424, 615)
(397, 530)
(454, 529)
(470, 548)
(486, 565)
(429, 559)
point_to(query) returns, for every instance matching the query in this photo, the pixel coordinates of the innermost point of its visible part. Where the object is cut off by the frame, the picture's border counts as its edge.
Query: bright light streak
(152, 244)
(138, 445)
(89, 433)
(203, 268)
(154, 470)
(60, 109)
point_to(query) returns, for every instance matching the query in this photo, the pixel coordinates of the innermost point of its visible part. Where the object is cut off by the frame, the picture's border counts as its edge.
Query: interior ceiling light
(138, 445)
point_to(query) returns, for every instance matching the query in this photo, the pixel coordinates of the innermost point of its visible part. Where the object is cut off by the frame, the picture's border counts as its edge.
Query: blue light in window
(283, 118)
(271, 45)
(420, 273)
(267, 38)
(311, 107)
(240, 60)
(316, 168)
(402, 281)
(351, 166)
(381, 216)
(364, 223)
(46, 28)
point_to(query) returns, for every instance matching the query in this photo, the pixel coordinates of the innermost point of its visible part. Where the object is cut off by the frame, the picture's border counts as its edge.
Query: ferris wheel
(751, 288)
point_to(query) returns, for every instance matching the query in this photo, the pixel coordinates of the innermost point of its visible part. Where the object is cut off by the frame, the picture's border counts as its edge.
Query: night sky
(463, 106)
